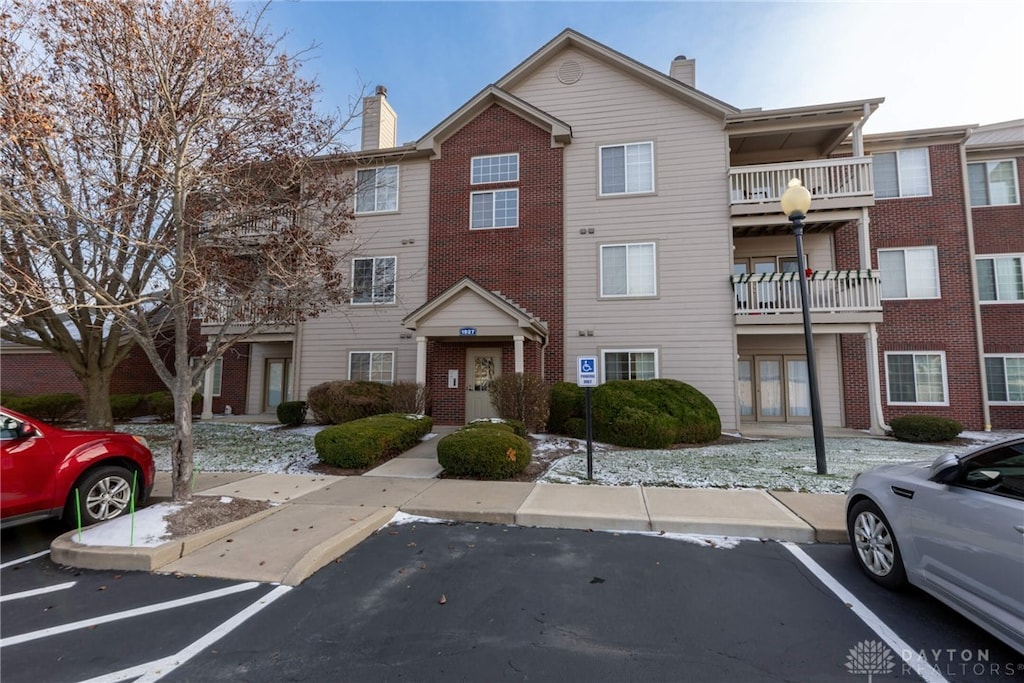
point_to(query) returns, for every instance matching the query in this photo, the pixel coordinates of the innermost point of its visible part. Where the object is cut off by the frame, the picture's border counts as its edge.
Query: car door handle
(1020, 528)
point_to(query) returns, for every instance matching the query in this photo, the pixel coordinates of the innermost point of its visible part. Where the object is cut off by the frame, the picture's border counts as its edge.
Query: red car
(42, 466)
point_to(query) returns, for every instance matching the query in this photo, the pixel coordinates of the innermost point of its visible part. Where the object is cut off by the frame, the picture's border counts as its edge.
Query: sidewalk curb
(339, 544)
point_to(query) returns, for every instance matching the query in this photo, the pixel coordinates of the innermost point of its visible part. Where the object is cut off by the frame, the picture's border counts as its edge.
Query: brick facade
(41, 372)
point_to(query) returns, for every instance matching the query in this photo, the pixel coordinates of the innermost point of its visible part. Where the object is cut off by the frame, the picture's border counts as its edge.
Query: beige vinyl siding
(690, 321)
(327, 341)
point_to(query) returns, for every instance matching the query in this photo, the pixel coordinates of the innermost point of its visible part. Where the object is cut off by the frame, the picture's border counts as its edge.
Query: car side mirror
(944, 468)
(28, 431)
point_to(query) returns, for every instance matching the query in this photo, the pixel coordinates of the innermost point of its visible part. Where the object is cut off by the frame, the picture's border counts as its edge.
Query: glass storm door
(745, 387)
(482, 366)
(769, 389)
(276, 383)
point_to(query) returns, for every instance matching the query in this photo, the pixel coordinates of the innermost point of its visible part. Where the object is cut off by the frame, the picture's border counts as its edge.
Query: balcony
(216, 312)
(252, 229)
(839, 189)
(835, 296)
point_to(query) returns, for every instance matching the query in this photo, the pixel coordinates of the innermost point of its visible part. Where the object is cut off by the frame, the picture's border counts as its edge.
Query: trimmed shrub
(124, 406)
(639, 429)
(360, 443)
(344, 400)
(693, 418)
(48, 407)
(488, 452)
(409, 397)
(521, 397)
(925, 428)
(161, 404)
(576, 427)
(514, 426)
(291, 413)
(565, 403)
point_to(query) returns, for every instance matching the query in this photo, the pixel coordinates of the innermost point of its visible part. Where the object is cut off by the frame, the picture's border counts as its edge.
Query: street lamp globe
(796, 199)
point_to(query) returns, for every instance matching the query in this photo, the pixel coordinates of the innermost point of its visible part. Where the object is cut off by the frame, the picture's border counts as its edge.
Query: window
(372, 366)
(373, 280)
(497, 209)
(627, 169)
(377, 189)
(903, 173)
(916, 377)
(1001, 278)
(1005, 378)
(218, 371)
(628, 270)
(640, 364)
(911, 273)
(999, 471)
(500, 168)
(993, 183)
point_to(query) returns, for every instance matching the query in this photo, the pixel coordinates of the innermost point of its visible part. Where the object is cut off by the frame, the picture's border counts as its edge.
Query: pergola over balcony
(834, 296)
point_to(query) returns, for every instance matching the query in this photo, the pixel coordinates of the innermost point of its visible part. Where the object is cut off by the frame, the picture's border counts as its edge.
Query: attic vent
(570, 71)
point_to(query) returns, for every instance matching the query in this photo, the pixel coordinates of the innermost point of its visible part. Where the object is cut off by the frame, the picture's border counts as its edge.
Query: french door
(773, 388)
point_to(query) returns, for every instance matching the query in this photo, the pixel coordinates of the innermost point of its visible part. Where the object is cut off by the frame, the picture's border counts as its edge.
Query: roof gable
(467, 302)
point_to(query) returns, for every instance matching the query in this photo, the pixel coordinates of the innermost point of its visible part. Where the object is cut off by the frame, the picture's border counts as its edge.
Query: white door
(766, 291)
(482, 367)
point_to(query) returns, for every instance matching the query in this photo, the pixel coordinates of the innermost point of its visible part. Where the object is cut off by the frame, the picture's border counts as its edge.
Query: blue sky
(936, 63)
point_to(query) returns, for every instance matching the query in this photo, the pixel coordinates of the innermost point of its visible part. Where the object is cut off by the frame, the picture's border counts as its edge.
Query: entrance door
(770, 407)
(275, 383)
(482, 366)
(773, 388)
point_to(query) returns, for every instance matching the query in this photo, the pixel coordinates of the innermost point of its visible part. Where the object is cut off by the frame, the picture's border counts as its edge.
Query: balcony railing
(216, 312)
(828, 291)
(827, 179)
(267, 223)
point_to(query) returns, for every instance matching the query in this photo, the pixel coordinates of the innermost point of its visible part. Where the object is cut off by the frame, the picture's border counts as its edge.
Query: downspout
(296, 361)
(978, 332)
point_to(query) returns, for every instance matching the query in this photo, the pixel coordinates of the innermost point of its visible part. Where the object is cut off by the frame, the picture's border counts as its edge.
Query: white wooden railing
(828, 291)
(217, 310)
(268, 222)
(825, 178)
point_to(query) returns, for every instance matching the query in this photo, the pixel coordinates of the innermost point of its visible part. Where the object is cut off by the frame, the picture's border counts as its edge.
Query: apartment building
(587, 204)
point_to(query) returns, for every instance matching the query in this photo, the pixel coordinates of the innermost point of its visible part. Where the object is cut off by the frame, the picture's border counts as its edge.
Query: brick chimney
(380, 123)
(684, 70)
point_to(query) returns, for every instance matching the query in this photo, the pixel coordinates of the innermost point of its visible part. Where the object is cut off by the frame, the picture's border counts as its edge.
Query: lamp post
(796, 200)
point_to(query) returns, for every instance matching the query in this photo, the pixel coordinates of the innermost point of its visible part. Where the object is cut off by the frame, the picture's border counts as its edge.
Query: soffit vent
(570, 71)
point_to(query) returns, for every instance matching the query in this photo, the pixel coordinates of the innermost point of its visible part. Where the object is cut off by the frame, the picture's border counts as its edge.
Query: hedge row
(361, 443)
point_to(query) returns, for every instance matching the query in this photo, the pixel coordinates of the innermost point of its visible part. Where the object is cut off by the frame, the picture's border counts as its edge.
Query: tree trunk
(97, 400)
(182, 445)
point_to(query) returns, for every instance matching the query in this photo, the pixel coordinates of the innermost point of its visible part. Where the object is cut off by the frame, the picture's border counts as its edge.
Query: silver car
(954, 528)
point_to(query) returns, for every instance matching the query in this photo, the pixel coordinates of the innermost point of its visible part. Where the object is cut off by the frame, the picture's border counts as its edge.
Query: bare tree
(161, 161)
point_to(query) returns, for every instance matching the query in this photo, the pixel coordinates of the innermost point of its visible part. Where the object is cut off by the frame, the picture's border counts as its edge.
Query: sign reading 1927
(468, 331)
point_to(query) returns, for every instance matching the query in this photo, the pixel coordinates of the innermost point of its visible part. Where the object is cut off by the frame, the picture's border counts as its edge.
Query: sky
(936, 63)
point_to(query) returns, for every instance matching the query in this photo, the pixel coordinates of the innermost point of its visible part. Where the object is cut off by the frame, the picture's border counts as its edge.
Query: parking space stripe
(157, 669)
(913, 659)
(127, 614)
(37, 591)
(27, 558)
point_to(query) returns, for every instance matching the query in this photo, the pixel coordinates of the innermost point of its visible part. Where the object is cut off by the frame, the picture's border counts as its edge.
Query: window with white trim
(1004, 377)
(1001, 278)
(372, 366)
(494, 209)
(496, 168)
(910, 273)
(628, 270)
(630, 364)
(627, 169)
(373, 280)
(917, 377)
(218, 372)
(377, 189)
(993, 183)
(903, 173)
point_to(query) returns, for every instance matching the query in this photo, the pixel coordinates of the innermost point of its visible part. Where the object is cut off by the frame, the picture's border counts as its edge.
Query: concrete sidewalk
(318, 518)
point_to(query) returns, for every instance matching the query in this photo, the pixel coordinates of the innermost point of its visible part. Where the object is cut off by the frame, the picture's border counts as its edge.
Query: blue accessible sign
(586, 371)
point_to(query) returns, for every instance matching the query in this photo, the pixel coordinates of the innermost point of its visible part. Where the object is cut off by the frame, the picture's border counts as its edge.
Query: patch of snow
(226, 499)
(703, 540)
(402, 518)
(147, 530)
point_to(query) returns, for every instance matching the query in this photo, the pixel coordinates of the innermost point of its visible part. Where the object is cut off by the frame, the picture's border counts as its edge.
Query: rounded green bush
(48, 407)
(342, 401)
(566, 403)
(692, 417)
(517, 427)
(291, 413)
(360, 443)
(576, 427)
(925, 428)
(123, 406)
(488, 452)
(640, 429)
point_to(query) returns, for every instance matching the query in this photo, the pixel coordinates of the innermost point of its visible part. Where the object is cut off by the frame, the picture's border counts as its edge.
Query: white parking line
(913, 659)
(27, 558)
(127, 614)
(37, 591)
(157, 669)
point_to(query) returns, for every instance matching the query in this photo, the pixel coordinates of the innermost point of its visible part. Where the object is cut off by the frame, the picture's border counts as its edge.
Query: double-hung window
(630, 364)
(911, 273)
(372, 366)
(218, 373)
(373, 280)
(627, 169)
(1001, 278)
(497, 208)
(993, 183)
(628, 270)
(918, 377)
(903, 173)
(377, 189)
(1004, 376)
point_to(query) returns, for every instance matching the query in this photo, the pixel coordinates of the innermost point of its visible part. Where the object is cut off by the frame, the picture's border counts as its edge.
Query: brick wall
(524, 263)
(42, 372)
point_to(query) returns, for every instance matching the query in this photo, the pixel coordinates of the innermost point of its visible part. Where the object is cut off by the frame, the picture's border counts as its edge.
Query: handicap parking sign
(586, 371)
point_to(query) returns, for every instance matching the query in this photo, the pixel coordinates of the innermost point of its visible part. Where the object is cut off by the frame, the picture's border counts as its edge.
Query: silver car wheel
(874, 543)
(108, 497)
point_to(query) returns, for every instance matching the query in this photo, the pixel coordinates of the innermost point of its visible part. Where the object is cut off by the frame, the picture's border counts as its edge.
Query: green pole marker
(131, 508)
(78, 512)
